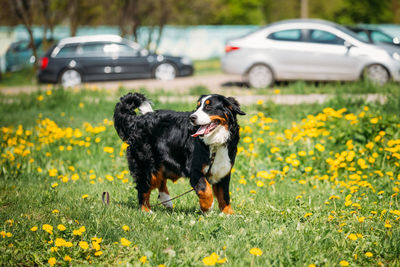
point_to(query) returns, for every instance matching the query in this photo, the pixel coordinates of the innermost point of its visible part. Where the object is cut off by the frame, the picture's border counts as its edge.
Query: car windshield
(381, 37)
(351, 33)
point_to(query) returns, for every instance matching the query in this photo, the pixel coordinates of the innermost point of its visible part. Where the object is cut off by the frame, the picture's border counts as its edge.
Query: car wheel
(377, 74)
(70, 78)
(260, 76)
(165, 72)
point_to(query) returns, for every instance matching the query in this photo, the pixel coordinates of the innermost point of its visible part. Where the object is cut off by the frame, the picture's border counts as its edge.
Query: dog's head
(215, 114)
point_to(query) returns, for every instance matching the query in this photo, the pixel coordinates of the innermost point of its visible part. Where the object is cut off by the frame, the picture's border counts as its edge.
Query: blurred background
(197, 29)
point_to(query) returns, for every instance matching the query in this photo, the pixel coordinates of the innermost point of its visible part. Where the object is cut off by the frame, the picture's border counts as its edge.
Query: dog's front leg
(204, 192)
(221, 192)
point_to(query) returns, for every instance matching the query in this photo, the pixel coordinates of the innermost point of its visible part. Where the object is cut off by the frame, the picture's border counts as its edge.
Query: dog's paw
(146, 209)
(206, 208)
(227, 210)
(165, 199)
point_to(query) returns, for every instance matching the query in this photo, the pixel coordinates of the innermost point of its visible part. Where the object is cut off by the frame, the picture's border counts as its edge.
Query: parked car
(106, 57)
(19, 54)
(375, 36)
(308, 49)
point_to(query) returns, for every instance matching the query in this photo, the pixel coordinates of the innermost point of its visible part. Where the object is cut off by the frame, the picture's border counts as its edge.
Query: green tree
(365, 11)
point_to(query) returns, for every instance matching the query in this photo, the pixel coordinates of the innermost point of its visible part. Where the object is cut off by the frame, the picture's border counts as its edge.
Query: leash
(178, 196)
(105, 197)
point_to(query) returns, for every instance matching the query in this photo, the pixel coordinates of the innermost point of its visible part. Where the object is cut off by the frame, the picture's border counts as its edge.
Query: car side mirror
(144, 52)
(348, 45)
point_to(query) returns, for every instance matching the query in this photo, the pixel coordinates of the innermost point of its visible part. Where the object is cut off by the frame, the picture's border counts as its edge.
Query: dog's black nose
(193, 118)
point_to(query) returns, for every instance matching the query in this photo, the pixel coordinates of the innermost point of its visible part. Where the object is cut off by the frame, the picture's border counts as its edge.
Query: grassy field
(313, 185)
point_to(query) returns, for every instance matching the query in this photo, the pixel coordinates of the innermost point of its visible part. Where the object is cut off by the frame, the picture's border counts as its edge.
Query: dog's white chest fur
(221, 166)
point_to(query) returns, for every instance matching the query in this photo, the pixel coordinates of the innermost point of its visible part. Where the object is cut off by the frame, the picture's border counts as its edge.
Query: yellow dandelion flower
(52, 261)
(61, 227)
(55, 211)
(125, 228)
(374, 120)
(75, 177)
(256, 252)
(67, 258)
(48, 228)
(352, 237)
(344, 263)
(308, 214)
(84, 245)
(242, 181)
(85, 196)
(108, 149)
(125, 242)
(98, 253)
(143, 259)
(368, 254)
(320, 147)
(95, 245)
(247, 139)
(59, 242)
(34, 229)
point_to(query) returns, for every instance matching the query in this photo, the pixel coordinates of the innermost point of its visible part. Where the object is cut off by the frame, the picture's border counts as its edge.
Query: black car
(106, 57)
(375, 36)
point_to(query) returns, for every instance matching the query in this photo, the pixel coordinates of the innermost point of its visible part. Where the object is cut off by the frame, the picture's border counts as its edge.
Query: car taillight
(44, 62)
(230, 48)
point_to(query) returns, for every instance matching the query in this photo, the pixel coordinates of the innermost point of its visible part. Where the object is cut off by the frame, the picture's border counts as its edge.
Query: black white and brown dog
(166, 144)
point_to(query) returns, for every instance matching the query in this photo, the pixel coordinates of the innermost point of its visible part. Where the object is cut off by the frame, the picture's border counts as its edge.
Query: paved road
(216, 83)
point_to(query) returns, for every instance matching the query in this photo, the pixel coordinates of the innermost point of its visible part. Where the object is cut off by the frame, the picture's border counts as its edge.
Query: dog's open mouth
(205, 129)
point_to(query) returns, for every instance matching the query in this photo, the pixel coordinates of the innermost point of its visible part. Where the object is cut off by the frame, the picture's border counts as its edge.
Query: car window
(92, 49)
(286, 35)
(324, 37)
(363, 35)
(67, 51)
(120, 49)
(380, 37)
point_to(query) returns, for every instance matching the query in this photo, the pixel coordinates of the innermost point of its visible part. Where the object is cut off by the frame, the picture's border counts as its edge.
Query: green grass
(23, 77)
(303, 87)
(280, 206)
(210, 66)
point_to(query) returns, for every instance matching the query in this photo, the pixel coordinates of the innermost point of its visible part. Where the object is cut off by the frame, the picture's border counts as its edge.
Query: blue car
(20, 55)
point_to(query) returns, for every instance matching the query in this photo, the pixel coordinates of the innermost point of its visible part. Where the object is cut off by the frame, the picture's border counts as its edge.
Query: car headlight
(186, 61)
(396, 56)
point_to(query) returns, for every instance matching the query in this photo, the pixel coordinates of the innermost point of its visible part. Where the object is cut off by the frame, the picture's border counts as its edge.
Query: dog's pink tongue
(200, 131)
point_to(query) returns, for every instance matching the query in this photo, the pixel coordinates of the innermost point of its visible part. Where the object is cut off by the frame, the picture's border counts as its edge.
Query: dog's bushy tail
(125, 115)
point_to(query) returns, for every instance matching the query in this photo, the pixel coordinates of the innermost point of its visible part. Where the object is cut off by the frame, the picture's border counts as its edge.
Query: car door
(328, 58)
(128, 62)
(95, 62)
(286, 50)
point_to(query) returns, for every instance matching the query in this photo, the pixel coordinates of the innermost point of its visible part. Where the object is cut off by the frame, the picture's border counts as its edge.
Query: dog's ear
(234, 105)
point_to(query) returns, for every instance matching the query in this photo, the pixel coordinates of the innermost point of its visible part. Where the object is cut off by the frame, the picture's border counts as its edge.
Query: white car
(308, 49)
